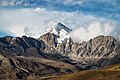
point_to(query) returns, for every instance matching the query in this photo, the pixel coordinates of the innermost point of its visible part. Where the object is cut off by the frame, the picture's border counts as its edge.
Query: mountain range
(54, 53)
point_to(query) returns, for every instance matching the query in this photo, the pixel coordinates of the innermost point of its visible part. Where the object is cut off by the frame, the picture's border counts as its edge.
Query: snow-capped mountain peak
(60, 30)
(56, 28)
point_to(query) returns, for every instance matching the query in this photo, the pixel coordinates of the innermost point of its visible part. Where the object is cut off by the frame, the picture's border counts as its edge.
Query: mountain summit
(56, 28)
(59, 30)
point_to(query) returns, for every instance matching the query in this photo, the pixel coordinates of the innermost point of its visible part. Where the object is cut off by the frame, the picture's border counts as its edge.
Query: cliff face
(98, 47)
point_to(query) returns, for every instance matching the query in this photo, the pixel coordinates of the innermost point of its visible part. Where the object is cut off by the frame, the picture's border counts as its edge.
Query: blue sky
(104, 8)
(40, 14)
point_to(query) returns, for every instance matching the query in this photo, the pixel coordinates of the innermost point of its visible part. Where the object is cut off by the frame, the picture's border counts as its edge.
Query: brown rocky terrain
(109, 73)
(29, 68)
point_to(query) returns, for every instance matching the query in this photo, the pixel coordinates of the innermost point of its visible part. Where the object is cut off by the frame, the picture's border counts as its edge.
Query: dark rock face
(61, 26)
(50, 39)
(29, 47)
(21, 46)
(99, 47)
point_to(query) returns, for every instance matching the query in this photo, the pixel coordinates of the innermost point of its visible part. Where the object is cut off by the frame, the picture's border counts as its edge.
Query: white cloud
(71, 2)
(11, 3)
(40, 10)
(95, 28)
(39, 19)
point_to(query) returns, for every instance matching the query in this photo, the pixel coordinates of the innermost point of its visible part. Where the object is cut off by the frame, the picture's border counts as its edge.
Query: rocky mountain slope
(109, 73)
(97, 51)
(27, 46)
(28, 55)
(29, 68)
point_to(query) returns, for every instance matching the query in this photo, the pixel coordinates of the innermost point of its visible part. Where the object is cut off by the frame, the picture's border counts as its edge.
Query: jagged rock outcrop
(96, 48)
(50, 39)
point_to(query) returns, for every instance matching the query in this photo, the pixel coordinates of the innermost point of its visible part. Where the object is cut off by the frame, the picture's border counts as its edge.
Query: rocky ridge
(98, 48)
(22, 52)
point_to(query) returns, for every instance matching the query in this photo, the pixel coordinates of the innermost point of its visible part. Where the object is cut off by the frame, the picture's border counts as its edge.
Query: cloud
(70, 2)
(11, 3)
(103, 8)
(95, 28)
(16, 20)
(35, 21)
(40, 10)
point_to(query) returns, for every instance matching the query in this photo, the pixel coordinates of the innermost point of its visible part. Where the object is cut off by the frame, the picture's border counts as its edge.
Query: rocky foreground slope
(30, 68)
(109, 73)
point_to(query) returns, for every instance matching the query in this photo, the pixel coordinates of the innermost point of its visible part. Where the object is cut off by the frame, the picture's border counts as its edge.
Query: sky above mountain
(87, 17)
